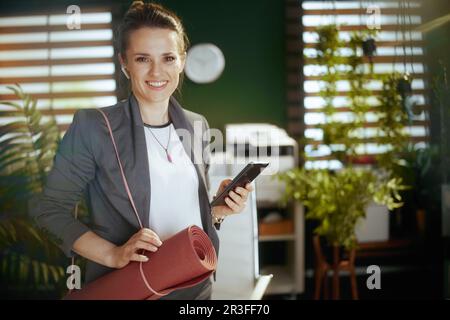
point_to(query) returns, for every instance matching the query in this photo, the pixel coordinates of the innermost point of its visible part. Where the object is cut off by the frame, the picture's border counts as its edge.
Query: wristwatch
(218, 221)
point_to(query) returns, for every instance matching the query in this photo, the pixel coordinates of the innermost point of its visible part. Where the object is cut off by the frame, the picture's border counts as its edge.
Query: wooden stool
(322, 267)
(321, 271)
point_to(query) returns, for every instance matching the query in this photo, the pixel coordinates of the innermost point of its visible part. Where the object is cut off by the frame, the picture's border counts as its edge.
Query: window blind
(399, 48)
(65, 69)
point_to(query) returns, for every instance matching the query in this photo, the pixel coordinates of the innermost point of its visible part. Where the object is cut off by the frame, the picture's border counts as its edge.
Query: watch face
(204, 63)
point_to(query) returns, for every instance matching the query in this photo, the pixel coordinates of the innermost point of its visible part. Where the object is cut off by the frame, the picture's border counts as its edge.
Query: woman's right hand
(130, 251)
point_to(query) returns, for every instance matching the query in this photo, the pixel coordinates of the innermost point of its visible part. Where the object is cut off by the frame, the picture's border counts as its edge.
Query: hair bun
(136, 4)
(152, 15)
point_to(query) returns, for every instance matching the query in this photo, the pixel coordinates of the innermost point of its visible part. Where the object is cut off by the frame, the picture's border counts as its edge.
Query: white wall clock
(204, 63)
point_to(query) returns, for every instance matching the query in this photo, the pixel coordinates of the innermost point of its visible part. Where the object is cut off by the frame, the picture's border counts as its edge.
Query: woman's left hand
(235, 201)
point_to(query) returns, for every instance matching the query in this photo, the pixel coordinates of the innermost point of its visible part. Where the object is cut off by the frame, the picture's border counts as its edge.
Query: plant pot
(369, 47)
(404, 87)
(375, 226)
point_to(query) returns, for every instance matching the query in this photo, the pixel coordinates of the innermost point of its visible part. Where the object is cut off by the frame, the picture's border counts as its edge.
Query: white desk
(238, 269)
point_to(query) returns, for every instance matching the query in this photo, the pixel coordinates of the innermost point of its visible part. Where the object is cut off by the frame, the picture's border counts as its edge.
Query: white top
(174, 203)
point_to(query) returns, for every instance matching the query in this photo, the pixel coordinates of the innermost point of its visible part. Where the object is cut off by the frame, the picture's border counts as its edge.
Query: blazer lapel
(138, 175)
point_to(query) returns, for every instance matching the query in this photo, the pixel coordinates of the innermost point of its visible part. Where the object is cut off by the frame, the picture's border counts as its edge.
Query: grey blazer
(85, 165)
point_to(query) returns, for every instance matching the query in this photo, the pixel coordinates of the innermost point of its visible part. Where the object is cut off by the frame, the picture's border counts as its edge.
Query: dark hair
(152, 15)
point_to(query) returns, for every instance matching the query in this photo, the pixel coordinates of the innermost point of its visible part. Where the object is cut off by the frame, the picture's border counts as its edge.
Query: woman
(167, 176)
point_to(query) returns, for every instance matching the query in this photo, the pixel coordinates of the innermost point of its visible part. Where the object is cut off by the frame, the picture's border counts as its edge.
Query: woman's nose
(155, 69)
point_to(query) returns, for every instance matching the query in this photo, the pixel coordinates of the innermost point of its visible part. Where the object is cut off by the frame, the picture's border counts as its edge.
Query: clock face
(204, 63)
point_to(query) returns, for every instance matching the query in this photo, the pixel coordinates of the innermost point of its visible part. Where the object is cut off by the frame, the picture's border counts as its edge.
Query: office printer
(261, 142)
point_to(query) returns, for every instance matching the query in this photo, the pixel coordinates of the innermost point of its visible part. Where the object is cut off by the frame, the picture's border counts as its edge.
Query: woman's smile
(156, 85)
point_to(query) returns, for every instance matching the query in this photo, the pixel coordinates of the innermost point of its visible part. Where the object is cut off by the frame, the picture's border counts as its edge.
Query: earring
(125, 72)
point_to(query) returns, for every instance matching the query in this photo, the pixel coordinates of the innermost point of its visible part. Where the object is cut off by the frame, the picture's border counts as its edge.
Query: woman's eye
(170, 59)
(141, 59)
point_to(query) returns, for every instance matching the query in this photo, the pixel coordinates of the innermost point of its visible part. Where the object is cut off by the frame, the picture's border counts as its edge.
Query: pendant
(169, 157)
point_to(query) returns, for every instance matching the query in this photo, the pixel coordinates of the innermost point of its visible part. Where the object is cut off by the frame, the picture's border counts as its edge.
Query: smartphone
(248, 174)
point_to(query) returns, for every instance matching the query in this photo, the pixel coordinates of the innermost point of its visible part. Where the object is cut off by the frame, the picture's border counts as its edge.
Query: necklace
(169, 158)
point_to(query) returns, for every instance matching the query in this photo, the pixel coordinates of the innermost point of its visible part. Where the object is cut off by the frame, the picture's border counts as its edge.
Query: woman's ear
(122, 66)
(121, 59)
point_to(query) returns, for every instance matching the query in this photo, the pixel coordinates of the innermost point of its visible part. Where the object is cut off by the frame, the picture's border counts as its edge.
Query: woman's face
(154, 63)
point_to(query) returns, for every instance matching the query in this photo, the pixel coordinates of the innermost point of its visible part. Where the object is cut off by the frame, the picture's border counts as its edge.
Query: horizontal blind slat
(47, 62)
(55, 9)
(56, 78)
(295, 111)
(383, 43)
(295, 95)
(45, 112)
(369, 140)
(356, 11)
(384, 27)
(375, 59)
(343, 77)
(55, 95)
(376, 124)
(52, 45)
(52, 28)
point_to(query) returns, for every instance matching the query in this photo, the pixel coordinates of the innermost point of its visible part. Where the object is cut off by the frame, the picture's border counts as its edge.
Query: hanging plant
(337, 200)
(336, 134)
(369, 47)
(404, 87)
(359, 74)
(392, 120)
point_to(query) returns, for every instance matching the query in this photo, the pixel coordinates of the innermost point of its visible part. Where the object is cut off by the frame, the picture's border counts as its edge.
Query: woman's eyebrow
(148, 55)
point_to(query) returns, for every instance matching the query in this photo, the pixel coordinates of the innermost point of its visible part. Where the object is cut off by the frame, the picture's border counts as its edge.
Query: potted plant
(414, 166)
(31, 265)
(338, 200)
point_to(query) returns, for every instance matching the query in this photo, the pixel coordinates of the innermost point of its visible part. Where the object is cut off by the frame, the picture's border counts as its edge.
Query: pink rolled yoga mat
(182, 261)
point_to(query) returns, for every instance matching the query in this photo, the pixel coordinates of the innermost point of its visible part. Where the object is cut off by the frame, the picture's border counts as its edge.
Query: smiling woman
(167, 179)
(154, 68)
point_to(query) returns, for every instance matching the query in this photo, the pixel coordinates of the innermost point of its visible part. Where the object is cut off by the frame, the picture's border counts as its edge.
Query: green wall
(251, 36)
